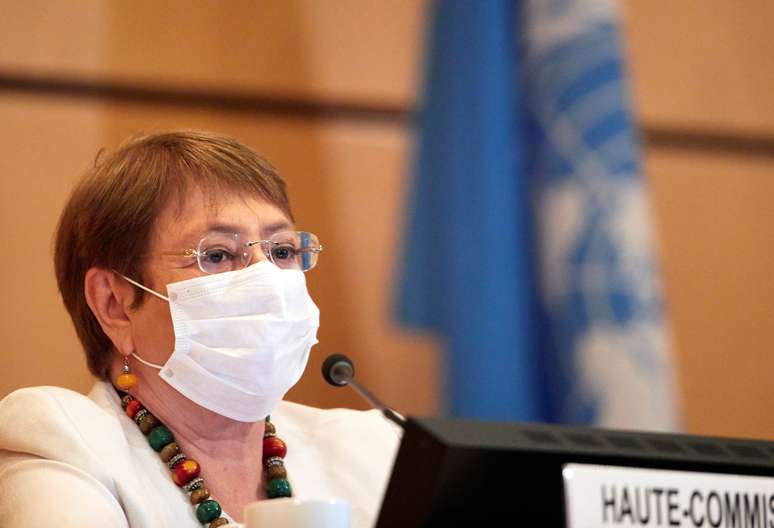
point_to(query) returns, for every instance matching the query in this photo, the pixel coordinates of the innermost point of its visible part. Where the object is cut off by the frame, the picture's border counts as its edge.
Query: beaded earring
(126, 380)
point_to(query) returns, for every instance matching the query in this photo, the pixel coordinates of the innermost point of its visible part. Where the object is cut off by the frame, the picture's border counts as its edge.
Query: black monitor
(470, 473)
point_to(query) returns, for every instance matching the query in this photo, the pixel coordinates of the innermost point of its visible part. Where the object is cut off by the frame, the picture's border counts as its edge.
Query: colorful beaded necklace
(186, 471)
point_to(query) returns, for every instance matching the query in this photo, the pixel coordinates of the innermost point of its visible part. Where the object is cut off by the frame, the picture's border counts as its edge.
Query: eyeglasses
(220, 252)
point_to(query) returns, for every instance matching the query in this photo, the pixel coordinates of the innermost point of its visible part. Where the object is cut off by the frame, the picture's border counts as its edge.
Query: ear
(110, 298)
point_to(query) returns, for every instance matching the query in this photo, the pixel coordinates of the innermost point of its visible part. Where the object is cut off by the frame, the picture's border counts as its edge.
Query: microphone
(338, 370)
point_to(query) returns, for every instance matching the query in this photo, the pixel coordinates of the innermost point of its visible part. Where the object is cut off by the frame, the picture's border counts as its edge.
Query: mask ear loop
(152, 292)
(157, 294)
(147, 363)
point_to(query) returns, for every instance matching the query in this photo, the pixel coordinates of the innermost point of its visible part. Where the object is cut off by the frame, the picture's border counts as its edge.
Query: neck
(194, 425)
(228, 451)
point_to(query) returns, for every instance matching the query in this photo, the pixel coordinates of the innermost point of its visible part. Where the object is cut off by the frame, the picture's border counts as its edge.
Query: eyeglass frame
(196, 254)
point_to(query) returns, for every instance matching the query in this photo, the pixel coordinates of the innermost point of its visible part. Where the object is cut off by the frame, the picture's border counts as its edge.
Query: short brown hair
(111, 213)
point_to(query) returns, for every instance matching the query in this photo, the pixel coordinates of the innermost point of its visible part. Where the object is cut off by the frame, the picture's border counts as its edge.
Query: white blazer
(73, 461)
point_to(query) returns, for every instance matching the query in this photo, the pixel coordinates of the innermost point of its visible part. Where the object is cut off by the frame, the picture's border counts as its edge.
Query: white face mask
(242, 338)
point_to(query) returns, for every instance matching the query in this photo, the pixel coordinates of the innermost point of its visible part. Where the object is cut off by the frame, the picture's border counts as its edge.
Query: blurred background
(327, 90)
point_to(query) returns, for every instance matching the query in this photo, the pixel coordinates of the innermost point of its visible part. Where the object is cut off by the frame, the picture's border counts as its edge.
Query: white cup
(297, 513)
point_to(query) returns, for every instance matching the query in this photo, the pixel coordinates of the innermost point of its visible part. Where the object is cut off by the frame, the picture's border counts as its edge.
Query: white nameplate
(608, 496)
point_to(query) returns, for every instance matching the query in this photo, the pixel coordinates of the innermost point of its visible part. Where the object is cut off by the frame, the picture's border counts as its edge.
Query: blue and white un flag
(528, 246)
(598, 276)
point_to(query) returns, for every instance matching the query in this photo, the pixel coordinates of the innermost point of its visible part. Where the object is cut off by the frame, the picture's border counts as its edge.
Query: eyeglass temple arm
(181, 253)
(315, 249)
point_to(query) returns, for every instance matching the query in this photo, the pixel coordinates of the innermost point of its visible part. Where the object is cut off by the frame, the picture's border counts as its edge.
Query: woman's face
(181, 229)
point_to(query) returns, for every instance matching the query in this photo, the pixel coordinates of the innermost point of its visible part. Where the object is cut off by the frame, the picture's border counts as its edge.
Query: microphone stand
(374, 402)
(338, 370)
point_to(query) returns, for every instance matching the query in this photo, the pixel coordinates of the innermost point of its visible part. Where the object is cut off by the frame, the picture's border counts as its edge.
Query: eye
(218, 252)
(218, 260)
(283, 253)
(217, 256)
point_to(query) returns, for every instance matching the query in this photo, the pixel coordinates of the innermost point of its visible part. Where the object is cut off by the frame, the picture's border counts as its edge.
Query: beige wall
(703, 67)
(703, 64)
(697, 66)
(336, 171)
(717, 226)
(346, 172)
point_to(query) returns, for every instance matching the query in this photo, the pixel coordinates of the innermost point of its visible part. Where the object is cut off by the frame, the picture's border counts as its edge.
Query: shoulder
(364, 439)
(338, 453)
(46, 399)
(57, 424)
(315, 422)
(44, 408)
(56, 446)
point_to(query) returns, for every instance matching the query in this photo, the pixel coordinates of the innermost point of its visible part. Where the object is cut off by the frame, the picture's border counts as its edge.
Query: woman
(178, 261)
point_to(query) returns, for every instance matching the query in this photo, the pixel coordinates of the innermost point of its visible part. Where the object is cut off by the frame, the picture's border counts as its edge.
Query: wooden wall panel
(54, 38)
(44, 146)
(700, 64)
(697, 65)
(345, 50)
(716, 225)
(346, 182)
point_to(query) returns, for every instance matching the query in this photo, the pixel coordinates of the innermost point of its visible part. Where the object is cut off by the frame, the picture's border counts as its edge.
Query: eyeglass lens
(221, 252)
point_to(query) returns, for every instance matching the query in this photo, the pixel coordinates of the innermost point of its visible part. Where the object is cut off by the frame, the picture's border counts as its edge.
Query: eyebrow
(266, 231)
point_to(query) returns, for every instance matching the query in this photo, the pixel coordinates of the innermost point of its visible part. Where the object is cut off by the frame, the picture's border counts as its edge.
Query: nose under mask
(242, 338)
